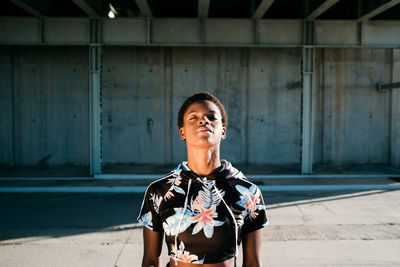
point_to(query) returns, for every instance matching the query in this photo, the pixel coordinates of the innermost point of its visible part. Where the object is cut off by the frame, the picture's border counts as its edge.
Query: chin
(206, 143)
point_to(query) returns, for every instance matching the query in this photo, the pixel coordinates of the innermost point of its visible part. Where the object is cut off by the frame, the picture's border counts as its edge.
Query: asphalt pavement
(307, 228)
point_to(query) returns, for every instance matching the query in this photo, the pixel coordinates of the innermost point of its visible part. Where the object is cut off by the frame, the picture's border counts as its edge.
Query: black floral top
(203, 218)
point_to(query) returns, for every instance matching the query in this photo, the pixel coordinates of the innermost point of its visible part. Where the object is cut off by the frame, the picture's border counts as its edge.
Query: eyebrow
(195, 111)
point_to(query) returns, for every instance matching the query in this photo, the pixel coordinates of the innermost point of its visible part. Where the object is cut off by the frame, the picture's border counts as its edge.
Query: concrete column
(307, 98)
(95, 97)
(395, 113)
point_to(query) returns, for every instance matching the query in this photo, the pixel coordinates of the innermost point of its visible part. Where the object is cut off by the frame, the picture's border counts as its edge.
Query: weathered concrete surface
(353, 121)
(395, 112)
(133, 101)
(274, 111)
(44, 115)
(6, 106)
(306, 229)
(44, 107)
(143, 89)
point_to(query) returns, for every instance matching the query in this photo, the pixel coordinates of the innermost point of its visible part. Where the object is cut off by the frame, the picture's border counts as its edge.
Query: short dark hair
(198, 97)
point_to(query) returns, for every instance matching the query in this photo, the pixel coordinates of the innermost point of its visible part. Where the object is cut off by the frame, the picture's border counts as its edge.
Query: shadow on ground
(58, 215)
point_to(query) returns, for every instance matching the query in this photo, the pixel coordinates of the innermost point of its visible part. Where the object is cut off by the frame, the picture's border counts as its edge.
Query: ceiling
(251, 9)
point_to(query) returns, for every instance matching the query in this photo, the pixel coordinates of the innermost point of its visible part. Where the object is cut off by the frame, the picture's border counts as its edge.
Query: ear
(223, 136)
(182, 133)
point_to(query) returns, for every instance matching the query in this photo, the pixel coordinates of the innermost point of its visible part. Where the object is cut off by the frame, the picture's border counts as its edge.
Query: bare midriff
(228, 263)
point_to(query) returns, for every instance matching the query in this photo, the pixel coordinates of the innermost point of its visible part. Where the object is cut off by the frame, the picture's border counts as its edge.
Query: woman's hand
(252, 248)
(152, 242)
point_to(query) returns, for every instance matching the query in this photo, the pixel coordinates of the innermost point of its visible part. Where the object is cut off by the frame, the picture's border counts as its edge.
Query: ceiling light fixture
(112, 13)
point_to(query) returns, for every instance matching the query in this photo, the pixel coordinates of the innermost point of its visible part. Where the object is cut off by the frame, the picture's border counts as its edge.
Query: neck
(203, 161)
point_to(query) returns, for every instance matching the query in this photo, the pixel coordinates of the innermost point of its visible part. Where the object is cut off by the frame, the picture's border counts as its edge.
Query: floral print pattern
(185, 256)
(203, 209)
(186, 207)
(146, 220)
(171, 225)
(175, 182)
(250, 200)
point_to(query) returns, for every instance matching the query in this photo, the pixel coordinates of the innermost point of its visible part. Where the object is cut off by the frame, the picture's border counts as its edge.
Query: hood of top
(224, 172)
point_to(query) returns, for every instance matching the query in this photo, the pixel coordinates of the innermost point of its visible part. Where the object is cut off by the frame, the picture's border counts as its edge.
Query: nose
(204, 121)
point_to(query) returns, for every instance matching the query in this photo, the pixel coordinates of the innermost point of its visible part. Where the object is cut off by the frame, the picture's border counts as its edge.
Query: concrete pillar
(307, 97)
(395, 113)
(95, 97)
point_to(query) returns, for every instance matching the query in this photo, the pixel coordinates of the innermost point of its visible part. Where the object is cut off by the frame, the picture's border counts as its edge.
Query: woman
(205, 207)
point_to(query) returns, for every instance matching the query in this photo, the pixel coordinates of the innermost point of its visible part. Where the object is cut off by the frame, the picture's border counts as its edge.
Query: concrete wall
(143, 89)
(353, 121)
(133, 105)
(395, 113)
(44, 105)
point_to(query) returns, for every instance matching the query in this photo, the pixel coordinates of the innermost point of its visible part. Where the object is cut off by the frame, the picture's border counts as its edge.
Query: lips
(204, 129)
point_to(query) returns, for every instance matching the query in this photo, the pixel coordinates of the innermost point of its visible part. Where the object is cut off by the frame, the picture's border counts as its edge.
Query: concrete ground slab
(61, 254)
(331, 253)
(306, 229)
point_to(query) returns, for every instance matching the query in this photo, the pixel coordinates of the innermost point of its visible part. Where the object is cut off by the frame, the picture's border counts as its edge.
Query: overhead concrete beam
(262, 9)
(87, 8)
(321, 9)
(199, 32)
(378, 10)
(203, 8)
(144, 8)
(32, 10)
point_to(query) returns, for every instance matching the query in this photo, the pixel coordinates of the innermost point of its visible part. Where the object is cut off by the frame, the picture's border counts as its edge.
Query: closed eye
(211, 117)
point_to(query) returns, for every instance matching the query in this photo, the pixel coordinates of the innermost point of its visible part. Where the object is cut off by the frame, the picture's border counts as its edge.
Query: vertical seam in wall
(301, 109)
(390, 109)
(44, 97)
(219, 52)
(303, 35)
(99, 50)
(247, 108)
(89, 107)
(171, 108)
(165, 97)
(168, 151)
(98, 68)
(322, 90)
(101, 106)
(13, 55)
(244, 106)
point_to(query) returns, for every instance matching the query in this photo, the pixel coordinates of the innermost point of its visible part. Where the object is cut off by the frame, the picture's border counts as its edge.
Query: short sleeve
(149, 213)
(256, 215)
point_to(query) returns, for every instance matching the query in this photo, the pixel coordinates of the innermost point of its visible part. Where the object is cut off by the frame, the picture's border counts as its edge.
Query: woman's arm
(152, 242)
(252, 249)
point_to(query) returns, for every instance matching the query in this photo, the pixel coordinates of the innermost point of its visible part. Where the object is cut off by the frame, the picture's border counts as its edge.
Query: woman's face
(202, 125)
